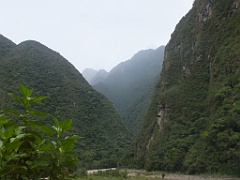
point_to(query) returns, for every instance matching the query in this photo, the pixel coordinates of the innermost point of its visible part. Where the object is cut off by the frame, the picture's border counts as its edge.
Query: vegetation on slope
(47, 72)
(193, 123)
(5, 46)
(130, 84)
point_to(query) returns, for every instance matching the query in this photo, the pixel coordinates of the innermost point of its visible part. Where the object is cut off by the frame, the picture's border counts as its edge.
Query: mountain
(100, 76)
(129, 85)
(32, 64)
(193, 122)
(6, 46)
(89, 74)
(93, 76)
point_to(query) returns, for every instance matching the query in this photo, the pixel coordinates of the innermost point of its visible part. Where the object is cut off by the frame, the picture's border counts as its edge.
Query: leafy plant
(30, 149)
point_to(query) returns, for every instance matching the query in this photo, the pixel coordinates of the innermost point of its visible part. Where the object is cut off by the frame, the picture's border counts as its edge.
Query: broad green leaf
(38, 163)
(46, 147)
(3, 121)
(25, 91)
(19, 129)
(54, 143)
(2, 130)
(17, 98)
(21, 100)
(18, 137)
(55, 121)
(9, 132)
(66, 124)
(47, 130)
(1, 144)
(38, 113)
(15, 112)
(25, 102)
(67, 145)
(14, 145)
(42, 127)
(38, 99)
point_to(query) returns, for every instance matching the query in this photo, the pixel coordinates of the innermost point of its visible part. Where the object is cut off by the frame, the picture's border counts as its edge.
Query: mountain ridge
(130, 83)
(70, 96)
(192, 124)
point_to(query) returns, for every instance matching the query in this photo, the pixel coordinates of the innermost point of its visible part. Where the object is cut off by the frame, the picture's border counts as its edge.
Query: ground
(143, 175)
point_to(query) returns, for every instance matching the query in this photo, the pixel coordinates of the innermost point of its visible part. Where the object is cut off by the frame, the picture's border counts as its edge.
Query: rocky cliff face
(193, 123)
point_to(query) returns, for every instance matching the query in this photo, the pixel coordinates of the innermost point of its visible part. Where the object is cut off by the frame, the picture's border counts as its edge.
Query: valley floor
(143, 175)
(135, 174)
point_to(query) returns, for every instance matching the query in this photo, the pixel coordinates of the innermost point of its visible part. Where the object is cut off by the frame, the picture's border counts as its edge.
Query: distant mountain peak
(100, 76)
(94, 76)
(89, 74)
(129, 85)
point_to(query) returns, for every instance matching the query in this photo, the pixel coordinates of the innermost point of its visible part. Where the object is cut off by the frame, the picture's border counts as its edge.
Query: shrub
(30, 149)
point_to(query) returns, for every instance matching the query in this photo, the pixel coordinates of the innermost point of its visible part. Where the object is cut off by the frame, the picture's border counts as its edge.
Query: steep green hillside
(193, 124)
(6, 46)
(70, 96)
(130, 84)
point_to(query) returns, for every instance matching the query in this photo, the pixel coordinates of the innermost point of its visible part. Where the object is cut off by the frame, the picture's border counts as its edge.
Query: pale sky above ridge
(92, 33)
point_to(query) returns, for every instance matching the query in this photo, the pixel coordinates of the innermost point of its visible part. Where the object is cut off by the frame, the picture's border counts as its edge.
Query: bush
(30, 149)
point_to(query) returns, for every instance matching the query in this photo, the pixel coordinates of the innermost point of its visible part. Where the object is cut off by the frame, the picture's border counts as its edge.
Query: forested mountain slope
(193, 124)
(70, 96)
(130, 84)
(6, 46)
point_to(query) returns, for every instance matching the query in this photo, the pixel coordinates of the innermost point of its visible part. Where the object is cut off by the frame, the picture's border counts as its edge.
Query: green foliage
(5, 46)
(30, 149)
(111, 173)
(48, 73)
(199, 86)
(129, 86)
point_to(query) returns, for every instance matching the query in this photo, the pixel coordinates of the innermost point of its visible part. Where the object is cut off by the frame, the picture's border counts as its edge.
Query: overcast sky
(96, 34)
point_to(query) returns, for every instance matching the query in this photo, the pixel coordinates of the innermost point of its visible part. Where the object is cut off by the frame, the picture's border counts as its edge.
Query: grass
(143, 175)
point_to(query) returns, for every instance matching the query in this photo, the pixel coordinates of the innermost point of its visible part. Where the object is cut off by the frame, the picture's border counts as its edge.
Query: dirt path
(99, 170)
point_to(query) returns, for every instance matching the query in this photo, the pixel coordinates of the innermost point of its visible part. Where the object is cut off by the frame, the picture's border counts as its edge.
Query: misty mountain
(100, 76)
(89, 74)
(129, 85)
(93, 76)
(70, 96)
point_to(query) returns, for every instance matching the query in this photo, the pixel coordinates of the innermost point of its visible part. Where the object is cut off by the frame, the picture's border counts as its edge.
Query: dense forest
(193, 122)
(130, 84)
(181, 102)
(30, 63)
